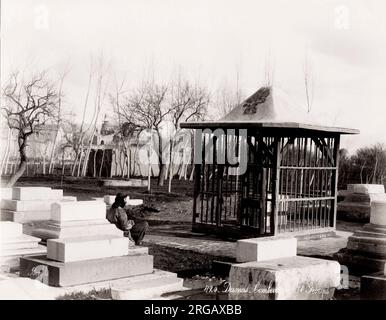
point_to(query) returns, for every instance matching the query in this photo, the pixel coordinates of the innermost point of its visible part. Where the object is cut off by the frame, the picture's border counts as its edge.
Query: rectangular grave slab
(27, 205)
(21, 242)
(78, 211)
(87, 248)
(11, 258)
(25, 216)
(147, 287)
(109, 199)
(267, 248)
(61, 274)
(70, 229)
(32, 193)
(134, 202)
(366, 188)
(69, 198)
(293, 278)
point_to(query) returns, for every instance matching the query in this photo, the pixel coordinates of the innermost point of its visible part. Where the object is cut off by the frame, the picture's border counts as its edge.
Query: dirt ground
(175, 207)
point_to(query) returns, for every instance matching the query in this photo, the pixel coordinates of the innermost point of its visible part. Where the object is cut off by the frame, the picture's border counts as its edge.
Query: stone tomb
(357, 203)
(291, 278)
(92, 258)
(366, 248)
(31, 203)
(272, 270)
(86, 257)
(14, 244)
(109, 200)
(265, 248)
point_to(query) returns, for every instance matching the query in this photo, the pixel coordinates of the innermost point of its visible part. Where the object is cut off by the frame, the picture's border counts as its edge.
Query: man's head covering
(120, 200)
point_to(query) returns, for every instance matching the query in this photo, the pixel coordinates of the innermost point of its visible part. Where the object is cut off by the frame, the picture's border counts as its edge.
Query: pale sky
(211, 41)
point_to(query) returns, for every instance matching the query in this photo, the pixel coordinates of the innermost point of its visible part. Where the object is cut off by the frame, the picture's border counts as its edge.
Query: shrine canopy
(270, 107)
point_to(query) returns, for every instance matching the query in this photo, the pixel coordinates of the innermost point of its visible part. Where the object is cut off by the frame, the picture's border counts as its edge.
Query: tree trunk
(101, 167)
(122, 158)
(94, 162)
(191, 174)
(6, 153)
(162, 166)
(128, 163)
(51, 167)
(23, 162)
(79, 162)
(170, 168)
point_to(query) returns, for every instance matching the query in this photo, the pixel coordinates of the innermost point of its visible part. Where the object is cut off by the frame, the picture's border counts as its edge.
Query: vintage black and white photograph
(193, 150)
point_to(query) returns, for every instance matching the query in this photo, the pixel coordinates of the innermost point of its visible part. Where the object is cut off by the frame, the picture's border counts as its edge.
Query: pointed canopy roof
(269, 108)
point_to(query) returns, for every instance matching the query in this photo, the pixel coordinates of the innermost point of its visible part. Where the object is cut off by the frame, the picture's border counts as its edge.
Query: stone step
(54, 230)
(369, 234)
(27, 289)
(360, 263)
(103, 285)
(87, 248)
(69, 198)
(370, 248)
(373, 286)
(362, 239)
(146, 288)
(366, 188)
(353, 206)
(374, 228)
(81, 272)
(36, 193)
(5, 193)
(78, 211)
(358, 197)
(21, 242)
(6, 215)
(11, 258)
(10, 229)
(26, 216)
(28, 205)
(23, 252)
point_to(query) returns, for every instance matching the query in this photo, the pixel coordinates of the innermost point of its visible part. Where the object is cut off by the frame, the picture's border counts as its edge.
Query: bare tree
(28, 106)
(100, 95)
(269, 70)
(228, 97)
(80, 134)
(147, 108)
(59, 118)
(125, 129)
(187, 102)
(309, 84)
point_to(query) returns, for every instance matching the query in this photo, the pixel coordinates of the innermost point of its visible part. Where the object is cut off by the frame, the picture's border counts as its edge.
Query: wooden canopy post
(276, 186)
(334, 180)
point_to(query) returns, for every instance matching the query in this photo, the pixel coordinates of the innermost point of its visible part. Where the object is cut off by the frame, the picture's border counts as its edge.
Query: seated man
(117, 215)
